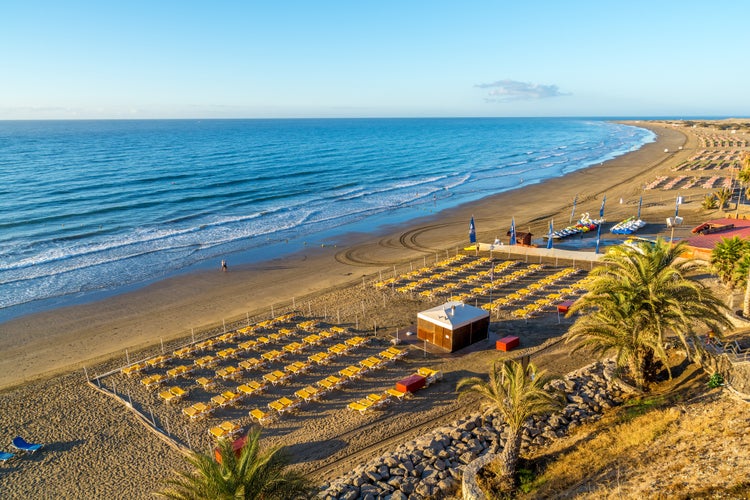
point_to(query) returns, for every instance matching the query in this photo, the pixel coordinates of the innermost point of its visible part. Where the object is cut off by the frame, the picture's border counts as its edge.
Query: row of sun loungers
(326, 385)
(173, 394)
(418, 273)
(225, 430)
(208, 361)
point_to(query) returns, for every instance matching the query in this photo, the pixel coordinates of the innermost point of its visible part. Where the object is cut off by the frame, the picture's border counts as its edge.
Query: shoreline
(47, 342)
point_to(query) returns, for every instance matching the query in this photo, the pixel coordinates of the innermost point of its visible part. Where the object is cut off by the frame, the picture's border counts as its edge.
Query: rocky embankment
(434, 464)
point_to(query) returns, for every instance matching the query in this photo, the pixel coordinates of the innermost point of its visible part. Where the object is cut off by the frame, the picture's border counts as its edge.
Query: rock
(475, 445)
(359, 480)
(373, 476)
(384, 487)
(446, 486)
(408, 486)
(398, 471)
(391, 461)
(467, 457)
(384, 472)
(350, 495)
(425, 490)
(369, 489)
(439, 464)
(575, 398)
(429, 473)
(407, 465)
(399, 495)
(396, 482)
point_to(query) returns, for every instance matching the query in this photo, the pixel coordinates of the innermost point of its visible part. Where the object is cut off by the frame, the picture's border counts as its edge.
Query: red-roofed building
(714, 231)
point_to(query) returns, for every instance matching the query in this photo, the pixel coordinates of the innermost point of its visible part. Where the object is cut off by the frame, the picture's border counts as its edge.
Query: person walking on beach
(224, 265)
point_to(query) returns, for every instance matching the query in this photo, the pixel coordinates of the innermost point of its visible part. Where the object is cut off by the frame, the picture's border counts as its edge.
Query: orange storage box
(507, 343)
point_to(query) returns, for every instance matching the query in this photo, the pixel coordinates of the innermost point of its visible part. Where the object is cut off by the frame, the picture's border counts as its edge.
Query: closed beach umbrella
(640, 202)
(573, 213)
(598, 237)
(549, 236)
(472, 231)
(513, 231)
(601, 209)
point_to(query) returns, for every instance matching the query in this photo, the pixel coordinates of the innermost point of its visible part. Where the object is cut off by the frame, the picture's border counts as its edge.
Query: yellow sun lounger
(261, 417)
(206, 383)
(224, 430)
(219, 400)
(153, 381)
(246, 390)
(272, 355)
(184, 352)
(397, 394)
(308, 325)
(231, 397)
(133, 369)
(206, 361)
(294, 347)
(251, 364)
(356, 406)
(179, 371)
(198, 410)
(431, 376)
(230, 372)
(172, 394)
(319, 358)
(312, 339)
(167, 396)
(248, 345)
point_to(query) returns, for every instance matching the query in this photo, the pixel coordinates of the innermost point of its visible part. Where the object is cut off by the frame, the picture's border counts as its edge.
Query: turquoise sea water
(92, 206)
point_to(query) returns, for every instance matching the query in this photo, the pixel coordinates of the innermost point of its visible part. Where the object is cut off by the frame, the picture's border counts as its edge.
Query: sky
(281, 59)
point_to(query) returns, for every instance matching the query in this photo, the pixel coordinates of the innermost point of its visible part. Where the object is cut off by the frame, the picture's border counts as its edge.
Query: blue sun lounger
(21, 444)
(5, 456)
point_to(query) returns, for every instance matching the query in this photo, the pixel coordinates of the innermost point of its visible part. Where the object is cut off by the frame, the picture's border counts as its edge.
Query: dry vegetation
(681, 441)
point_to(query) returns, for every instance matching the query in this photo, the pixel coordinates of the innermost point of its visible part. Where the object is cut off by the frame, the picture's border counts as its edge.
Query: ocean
(93, 207)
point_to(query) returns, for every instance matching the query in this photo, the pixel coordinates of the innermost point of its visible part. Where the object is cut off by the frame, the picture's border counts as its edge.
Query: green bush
(716, 380)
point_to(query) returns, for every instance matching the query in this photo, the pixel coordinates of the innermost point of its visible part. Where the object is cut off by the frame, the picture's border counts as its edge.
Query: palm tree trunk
(746, 302)
(638, 369)
(509, 459)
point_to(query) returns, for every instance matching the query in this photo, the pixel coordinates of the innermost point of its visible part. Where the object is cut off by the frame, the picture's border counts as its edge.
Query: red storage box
(411, 383)
(507, 343)
(563, 307)
(237, 446)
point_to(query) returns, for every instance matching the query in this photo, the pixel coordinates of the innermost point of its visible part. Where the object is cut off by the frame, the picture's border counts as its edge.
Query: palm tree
(517, 393)
(710, 202)
(744, 177)
(741, 277)
(642, 296)
(723, 196)
(724, 259)
(255, 474)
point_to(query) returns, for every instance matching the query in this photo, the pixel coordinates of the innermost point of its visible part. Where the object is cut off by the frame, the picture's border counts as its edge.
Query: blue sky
(183, 59)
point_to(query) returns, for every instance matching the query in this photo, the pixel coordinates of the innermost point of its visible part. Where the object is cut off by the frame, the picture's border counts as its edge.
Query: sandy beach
(97, 449)
(55, 340)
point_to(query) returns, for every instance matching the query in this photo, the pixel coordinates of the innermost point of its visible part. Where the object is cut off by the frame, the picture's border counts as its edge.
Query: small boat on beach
(584, 225)
(627, 226)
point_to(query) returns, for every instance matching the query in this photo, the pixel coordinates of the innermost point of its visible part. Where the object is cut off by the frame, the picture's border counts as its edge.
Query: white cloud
(512, 90)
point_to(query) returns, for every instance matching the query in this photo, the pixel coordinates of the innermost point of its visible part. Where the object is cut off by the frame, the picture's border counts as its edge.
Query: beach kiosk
(453, 325)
